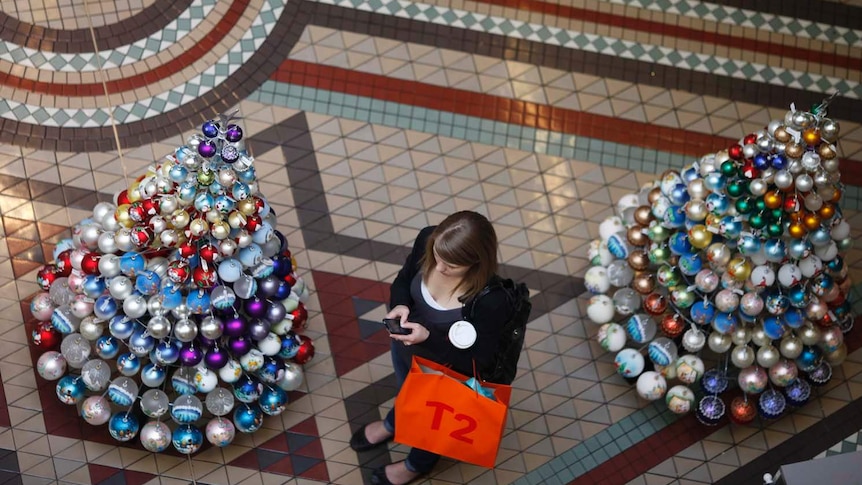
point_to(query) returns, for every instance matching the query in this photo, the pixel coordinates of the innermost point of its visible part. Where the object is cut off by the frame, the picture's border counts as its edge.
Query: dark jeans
(418, 461)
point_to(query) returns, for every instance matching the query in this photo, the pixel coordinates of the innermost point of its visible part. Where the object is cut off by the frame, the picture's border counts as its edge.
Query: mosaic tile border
(571, 39)
(741, 17)
(194, 88)
(138, 51)
(144, 23)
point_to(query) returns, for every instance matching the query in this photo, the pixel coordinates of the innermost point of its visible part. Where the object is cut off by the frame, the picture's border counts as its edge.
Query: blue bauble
(283, 290)
(674, 217)
(730, 227)
(93, 286)
(679, 194)
(725, 323)
(199, 301)
(690, 264)
(776, 304)
(273, 400)
(810, 358)
(263, 233)
(715, 181)
(217, 189)
(778, 161)
(210, 129)
(247, 418)
(123, 426)
(121, 327)
(187, 439)
(153, 375)
(775, 250)
(799, 248)
(771, 404)
(678, 243)
(797, 296)
(187, 191)
(793, 317)
(165, 353)
(204, 201)
(835, 265)
(289, 346)
(702, 312)
(798, 392)
(819, 237)
(132, 263)
(240, 190)
(749, 245)
(247, 389)
(107, 347)
(230, 270)
(140, 342)
(761, 161)
(820, 374)
(281, 265)
(171, 295)
(247, 175)
(710, 410)
(224, 204)
(183, 381)
(250, 255)
(178, 173)
(106, 307)
(714, 381)
(272, 370)
(717, 204)
(147, 282)
(71, 389)
(689, 173)
(128, 364)
(774, 327)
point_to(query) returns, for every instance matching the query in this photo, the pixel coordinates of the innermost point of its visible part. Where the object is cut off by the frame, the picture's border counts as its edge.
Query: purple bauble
(268, 287)
(234, 326)
(210, 129)
(216, 358)
(233, 133)
(771, 404)
(240, 346)
(191, 355)
(275, 312)
(207, 148)
(206, 342)
(259, 329)
(710, 410)
(255, 307)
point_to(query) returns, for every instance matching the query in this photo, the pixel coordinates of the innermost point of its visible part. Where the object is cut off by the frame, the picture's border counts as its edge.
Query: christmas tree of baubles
(739, 253)
(176, 307)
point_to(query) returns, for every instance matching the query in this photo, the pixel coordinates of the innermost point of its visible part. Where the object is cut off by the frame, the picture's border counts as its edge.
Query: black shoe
(360, 443)
(378, 477)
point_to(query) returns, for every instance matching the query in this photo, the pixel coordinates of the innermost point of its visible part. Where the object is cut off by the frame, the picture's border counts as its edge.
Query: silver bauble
(765, 144)
(90, 236)
(155, 435)
(741, 335)
(121, 287)
(293, 377)
(123, 237)
(158, 224)
(182, 311)
(750, 150)
(219, 401)
(759, 337)
(91, 328)
(829, 130)
(155, 403)
(742, 356)
(772, 126)
(757, 187)
(804, 182)
(158, 266)
(135, 306)
(227, 247)
(809, 335)
(110, 224)
(810, 161)
(783, 179)
(790, 346)
(168, 204)
(102, 210)
(821, 178)
(767, 356)
(794, 166)
(696, 210)
(185, 330)
(76, 349)
(109, 265)
(169, 238)
(155, 306)
(768, 175)
(96, 374)
(226, 177)
(211, 327)
(107, 244)
(243, 238)
(718, 342)
(159, 327)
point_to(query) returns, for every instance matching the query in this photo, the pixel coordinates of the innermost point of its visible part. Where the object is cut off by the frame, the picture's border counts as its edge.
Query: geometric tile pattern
(372, 119)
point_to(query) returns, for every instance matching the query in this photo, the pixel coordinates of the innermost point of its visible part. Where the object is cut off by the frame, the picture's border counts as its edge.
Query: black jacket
(492, 311)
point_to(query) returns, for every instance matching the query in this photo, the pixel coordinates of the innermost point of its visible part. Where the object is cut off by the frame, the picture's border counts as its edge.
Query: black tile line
(804, 445)
(148, 21)
(570, 60)
(832, 13)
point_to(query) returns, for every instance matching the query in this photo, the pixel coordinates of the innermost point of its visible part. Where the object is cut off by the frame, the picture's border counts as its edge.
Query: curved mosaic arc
(147, 22)
(128, 53)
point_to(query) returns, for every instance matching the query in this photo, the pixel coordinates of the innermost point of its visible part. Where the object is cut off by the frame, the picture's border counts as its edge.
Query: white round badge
(462, 334)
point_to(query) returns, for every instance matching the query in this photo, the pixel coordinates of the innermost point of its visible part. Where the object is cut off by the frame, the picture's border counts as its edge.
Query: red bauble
(90, 263)
(742, 411)
(655, 304)
(305, 352)
(748, 170)
(151, 206)
(672, 325)
(123, 198)
(735, 152)
(46, 276)
(178, 271)
(299, 317)
(187, 250)
(290, 279)
(252, 223)
(64, 263)
(137, 212)
(749, 139)
(208, 253)
(204, 278)
(259, 204)
(286, 254)
(45, 336)
(141, 236)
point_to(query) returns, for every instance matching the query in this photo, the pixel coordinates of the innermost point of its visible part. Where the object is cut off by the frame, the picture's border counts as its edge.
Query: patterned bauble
(248, 418)
(742, 410)
(798, 393)
(123, 426)
(771, 404)
(714, 381)
(710, 410)
(187, 439)
(155, 436)
(220, 432)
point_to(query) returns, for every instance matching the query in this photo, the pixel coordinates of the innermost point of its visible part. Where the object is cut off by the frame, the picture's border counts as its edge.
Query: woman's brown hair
(464, 238)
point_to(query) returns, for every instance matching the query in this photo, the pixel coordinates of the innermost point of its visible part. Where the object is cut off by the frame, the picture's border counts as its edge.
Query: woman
(449, 265)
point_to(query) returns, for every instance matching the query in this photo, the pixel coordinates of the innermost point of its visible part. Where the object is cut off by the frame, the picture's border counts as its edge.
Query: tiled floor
(370, 119)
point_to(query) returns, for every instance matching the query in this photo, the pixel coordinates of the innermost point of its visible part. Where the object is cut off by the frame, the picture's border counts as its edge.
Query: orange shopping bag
(436, 411)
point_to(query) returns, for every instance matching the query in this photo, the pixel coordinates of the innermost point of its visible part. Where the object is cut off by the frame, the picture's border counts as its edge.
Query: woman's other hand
(418, 334)
(401, 312)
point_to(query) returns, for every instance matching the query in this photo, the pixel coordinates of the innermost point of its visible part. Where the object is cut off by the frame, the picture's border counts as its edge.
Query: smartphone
(394, 326)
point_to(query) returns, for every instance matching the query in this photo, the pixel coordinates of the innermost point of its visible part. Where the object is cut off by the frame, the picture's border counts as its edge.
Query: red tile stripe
(146, 78)
(671, 440)
(507, 110)
(670, 30)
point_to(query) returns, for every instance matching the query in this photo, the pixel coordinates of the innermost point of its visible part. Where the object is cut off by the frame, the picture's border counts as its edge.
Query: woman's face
(448, 269)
